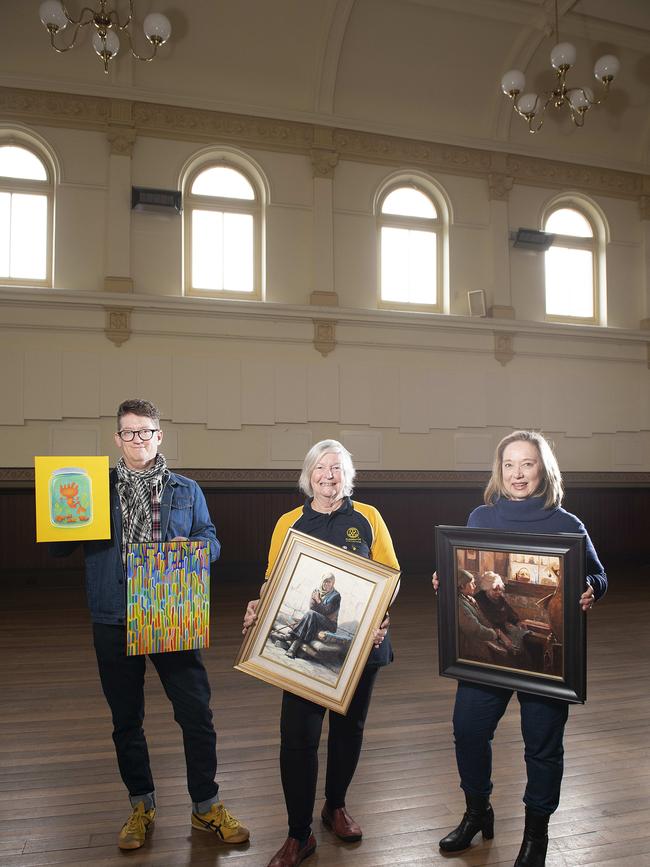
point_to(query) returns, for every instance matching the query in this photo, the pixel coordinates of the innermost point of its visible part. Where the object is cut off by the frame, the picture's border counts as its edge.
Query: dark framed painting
(316, 620)
(509, 610)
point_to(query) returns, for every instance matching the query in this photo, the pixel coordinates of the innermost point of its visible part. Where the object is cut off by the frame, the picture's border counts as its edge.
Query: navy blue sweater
(530, 516)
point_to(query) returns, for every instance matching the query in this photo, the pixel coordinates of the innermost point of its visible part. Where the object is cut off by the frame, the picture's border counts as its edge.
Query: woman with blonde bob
(329, 514)
(524, 494)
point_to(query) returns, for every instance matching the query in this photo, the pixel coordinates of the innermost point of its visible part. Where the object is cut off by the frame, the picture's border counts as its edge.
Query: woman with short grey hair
(329, 514)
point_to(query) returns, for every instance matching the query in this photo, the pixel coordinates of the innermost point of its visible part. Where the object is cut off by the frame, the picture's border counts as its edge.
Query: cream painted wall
(247, 389)
(241, 384)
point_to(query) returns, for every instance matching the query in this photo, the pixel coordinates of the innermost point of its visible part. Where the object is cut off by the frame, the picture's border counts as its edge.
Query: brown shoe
(292, 853)
(341, 823)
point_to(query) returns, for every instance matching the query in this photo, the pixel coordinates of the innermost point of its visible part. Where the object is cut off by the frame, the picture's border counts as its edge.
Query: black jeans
(300, 730)
(185, 682)
(477, 712)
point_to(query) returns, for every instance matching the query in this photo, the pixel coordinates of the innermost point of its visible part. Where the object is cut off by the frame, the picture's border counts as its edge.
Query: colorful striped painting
(167, 597)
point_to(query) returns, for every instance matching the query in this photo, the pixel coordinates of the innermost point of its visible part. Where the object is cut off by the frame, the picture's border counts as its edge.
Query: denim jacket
(183, 512)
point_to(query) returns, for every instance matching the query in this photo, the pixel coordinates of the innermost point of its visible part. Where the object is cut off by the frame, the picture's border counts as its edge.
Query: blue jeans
(477, 713)
(185, 682)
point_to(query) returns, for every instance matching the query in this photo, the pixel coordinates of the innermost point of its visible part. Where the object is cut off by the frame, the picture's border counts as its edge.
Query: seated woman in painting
(322, 617)
(479, 640)
(492, 601)
(499, 613)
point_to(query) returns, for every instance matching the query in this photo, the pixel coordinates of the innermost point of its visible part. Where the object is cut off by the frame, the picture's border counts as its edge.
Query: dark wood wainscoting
(615, 517)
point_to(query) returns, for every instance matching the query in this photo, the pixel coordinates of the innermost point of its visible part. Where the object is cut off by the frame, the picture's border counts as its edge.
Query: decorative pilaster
(499, 186)
(324, 335)
(323, 159)
(644, 207)
(324, 156)
(503, 347)
(118, 324)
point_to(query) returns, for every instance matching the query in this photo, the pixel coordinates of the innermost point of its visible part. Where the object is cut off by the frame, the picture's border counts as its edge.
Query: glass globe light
(563, 55)
(581, 98)
(53, 15)
(112, 44)
(527, 103)
(513, 82)
(157, 28)
(607, 67)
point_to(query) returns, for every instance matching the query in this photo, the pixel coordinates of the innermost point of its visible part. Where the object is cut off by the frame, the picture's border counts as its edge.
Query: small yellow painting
(72, 501)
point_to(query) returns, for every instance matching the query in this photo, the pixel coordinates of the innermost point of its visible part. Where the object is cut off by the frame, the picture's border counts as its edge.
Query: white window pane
(207, 250)
(569, 282)
(408, 266)
(5, 233)
(223, 181)
(238, 247)
(28, 237)
(408, 203)
(567, 221)
(422, 267)
(18, 162)
(394, 259)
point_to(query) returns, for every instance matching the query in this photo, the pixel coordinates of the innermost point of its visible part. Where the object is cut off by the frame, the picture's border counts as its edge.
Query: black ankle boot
(478, 817)
(535, 842)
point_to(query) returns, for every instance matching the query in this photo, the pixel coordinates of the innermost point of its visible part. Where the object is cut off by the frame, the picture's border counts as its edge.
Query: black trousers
(301, 723)
(477, 713)
(185, 682)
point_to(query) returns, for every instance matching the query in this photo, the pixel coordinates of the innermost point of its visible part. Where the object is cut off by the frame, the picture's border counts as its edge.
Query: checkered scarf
(140, 494)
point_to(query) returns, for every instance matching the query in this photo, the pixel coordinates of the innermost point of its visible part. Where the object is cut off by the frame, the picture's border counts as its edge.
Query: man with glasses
(151, 504)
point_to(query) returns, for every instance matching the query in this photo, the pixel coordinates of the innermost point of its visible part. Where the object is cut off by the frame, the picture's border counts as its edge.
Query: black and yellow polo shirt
(356, 527)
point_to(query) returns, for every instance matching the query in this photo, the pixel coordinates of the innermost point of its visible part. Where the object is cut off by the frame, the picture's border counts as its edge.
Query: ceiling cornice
(75, 111)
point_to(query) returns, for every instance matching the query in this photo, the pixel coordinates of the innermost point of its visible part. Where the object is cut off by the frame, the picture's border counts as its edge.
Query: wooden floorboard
(62, 802)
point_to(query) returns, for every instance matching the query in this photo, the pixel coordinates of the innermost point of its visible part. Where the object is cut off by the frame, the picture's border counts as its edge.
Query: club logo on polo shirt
(352, 534)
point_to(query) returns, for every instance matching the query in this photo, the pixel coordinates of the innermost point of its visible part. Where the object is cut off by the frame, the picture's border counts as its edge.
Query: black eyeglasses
(145, 434)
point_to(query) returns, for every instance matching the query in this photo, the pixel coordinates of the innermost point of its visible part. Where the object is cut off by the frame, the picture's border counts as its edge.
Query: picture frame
(167, 596)
(71, 498)
(333, 636)
(537, 641)
(476, 302)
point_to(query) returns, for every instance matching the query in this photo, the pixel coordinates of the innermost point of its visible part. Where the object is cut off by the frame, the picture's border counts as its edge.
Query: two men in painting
(149, 503)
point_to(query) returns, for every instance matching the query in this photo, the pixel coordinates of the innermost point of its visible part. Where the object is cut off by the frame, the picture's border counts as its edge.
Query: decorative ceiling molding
(200, 125)
(282, 478)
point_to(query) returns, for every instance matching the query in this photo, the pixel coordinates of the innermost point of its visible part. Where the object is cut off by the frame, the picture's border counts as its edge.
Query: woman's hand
(587, 599)
(251, 615)
(380, 634)
(435, 582)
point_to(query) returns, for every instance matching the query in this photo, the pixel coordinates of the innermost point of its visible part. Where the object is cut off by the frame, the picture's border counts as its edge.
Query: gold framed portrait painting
(316, 619)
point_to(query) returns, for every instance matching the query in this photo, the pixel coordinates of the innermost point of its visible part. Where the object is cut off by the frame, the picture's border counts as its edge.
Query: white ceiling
(425, 69)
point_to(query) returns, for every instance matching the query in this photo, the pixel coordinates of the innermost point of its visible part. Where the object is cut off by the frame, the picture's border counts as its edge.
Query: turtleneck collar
(530, 509)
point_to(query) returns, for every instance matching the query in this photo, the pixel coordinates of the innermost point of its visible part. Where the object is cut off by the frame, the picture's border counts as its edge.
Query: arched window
(411, 262)
(572, 265)
(26, 206)
(223, 232)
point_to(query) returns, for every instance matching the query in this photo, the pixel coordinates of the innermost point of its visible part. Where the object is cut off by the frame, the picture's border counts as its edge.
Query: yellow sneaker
(222, 823)
(135, 829)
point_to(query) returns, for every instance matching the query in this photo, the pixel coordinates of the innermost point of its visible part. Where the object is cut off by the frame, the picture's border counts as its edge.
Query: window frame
(594, 245)
(29, 186)
(434, 225)
(223, 204)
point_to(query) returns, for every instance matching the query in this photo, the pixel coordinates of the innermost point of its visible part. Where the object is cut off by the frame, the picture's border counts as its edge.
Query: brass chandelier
(578, 100)
(106, 25)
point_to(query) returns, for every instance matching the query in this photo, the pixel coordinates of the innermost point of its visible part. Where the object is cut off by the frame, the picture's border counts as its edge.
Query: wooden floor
(62, 802)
